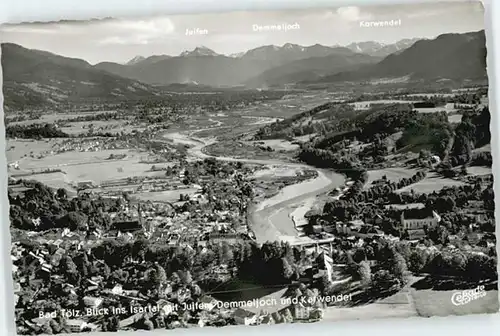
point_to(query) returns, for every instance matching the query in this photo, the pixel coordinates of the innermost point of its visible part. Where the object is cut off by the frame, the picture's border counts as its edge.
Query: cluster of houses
(88, 145)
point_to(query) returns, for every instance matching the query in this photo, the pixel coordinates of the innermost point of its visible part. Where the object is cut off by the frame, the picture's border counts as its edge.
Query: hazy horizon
(121, 39)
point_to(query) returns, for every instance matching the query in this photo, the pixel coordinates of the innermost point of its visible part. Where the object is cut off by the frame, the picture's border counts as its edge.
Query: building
(75, 325)
(196, 322)
(349, 227)
(416, 234)
(268, 319)
(244, 317)
(368, 231)
(117, 290)
(85, 185)
(419, 219)
(93, 302)
(325, 264)
(301, 312)
(208, 303)
(127, 226)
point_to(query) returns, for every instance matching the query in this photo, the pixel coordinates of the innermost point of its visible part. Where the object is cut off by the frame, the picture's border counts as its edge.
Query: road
(270, 219)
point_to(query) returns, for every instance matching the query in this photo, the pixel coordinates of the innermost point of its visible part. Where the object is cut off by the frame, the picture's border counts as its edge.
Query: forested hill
(377, 133)
(329, 117)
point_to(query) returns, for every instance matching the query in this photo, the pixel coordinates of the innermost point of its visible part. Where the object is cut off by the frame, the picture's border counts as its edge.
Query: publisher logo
(466, 296)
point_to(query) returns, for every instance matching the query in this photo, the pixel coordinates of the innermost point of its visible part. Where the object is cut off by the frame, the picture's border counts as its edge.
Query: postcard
(249, 168)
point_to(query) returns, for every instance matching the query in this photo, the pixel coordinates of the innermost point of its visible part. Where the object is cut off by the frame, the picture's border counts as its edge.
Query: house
(277, 317)
(84, 185)
(416, 234)
(92, 282)
(76, 325)
(474, 238)
(367, 231)
(196, 322)
(301, 312)
(117, 290)
(350, 227)
(378, 220)
(244, 317)
(127, 226)
(434, 159)
(268, 319)
(419, 219)
(93, 302)
(207, 303)
(325, 263)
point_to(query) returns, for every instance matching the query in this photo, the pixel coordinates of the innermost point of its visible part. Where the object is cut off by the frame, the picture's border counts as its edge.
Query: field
(54, 117)
(450, 107)
(277, 171)
(237, 149)
(486, 148)
(54, 180)
(454, 118)
(476, 170)
(395, 306)
(393, 175)
(18, 149)
(278, 145)
(76, 166)
(433, 182)
(366, 105)
(79, 127)
(411, 301)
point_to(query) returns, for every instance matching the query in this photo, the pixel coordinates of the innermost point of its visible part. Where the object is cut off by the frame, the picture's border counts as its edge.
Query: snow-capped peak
(199, 51)
(136, 60)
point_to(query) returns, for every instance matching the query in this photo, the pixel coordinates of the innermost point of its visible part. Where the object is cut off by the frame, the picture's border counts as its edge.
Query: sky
(121, 39)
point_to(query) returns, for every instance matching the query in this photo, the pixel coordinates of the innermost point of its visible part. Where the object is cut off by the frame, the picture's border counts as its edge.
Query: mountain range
(373, 48)
(204, 66)
(292, 62)
(447, 57)
(38, 77)
(34, 77)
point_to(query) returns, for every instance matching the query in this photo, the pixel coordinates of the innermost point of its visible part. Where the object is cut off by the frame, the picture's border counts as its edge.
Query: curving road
(270, 219)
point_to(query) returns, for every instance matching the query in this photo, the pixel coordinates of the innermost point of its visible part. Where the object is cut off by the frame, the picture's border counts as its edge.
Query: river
(270, 219)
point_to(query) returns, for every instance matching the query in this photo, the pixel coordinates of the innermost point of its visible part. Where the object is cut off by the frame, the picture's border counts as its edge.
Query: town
(112, 247)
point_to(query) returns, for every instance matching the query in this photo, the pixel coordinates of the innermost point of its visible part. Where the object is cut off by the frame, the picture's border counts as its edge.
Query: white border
(51, 10)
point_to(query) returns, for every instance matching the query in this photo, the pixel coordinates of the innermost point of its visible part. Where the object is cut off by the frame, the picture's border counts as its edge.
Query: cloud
(446, 10)
(31, 28)
(352, 13)
(107, 31)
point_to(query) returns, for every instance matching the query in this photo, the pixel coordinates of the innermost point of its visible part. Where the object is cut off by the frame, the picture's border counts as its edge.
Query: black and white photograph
(249, 168)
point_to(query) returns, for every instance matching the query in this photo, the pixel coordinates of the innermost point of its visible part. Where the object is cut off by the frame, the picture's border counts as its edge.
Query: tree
(187, 277)
(148, 325)
(352, 267)
(62, 194)
(46, 329)
(383, 280)
(463, 170)
(287, 269)
(161, 274)
(75, 220)
(400, 268)
(364, 271)
(417, 261)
